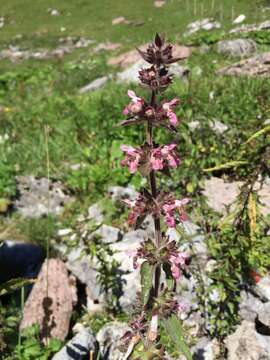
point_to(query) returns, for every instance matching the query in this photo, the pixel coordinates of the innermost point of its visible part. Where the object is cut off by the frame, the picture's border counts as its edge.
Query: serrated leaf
(147, 272)
(174, 330)
(13, 285)
(227, 165)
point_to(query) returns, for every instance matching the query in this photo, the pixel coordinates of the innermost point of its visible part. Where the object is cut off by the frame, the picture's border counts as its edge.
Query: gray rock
(264, 315)
(239, 19)
(130, 75)
(249, 306)
(246, 344)
(205, 24)
(94, 85)
(195, 245)
(193, 125)
(79, 346)
(258, 65)
(205, 350)
(95, 213)
(85, 269)
(262, 288)
(251, 27)
(107, 234)
(237, 47)
(124, 252)
(118, 193)
(218, 127)
(2, 22)
(109, 339)
(39, 197)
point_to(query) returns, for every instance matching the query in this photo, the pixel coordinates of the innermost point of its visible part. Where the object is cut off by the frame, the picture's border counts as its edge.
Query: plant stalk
(153, 186)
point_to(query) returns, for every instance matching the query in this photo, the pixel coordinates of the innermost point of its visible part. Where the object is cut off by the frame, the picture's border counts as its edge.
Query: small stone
(119, 193)
(218, 127)
(193, 125)
(159, 3)
(120, 20)
(110, 340)
(53, 12)
(95, 213)
(206, 350)
(262, 288)
(94, 85)
(239, 19)
(205, 24)
(107, 234)
(79, 346)
(249, 306)
(64, 232)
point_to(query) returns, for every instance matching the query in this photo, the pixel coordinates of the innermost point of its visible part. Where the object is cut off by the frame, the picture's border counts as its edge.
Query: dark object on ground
(20, 260)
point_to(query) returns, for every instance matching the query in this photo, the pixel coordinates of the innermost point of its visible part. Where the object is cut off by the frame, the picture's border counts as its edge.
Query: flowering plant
(161, 263)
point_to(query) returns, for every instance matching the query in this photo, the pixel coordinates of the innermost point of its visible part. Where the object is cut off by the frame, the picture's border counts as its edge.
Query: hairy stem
(153, 186)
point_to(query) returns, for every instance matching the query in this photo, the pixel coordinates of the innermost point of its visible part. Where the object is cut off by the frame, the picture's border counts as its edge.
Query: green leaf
(13, 285)
(258, 133)
(174, 330)
(147, 272)
(227, 165)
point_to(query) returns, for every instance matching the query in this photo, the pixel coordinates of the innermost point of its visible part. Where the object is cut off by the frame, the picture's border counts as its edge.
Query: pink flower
(169, 109)
(132, 158)
(178, 262)
(138, 208)
(164, 156)
(136, 105)
(173, 209)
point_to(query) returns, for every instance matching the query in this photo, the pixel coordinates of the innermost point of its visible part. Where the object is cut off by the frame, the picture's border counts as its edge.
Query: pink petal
(172, 117)
(174, 102)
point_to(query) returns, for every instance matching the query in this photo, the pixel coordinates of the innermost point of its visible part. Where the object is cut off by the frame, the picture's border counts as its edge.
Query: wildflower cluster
(159, 255)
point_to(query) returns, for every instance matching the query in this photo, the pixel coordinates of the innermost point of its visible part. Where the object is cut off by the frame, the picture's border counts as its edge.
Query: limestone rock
(239, 19)
(119, 193)
(221, 195)
(39, 197)
(81, 345)
(247, 344)
(94, 85)
(205, 350)
(249, 306)
(205, 24)
(107, 234)
(52, 310)
(262, 288)
(110, 340)
(159, 3)
(256, 66)
(237, 47)
(95, 213)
